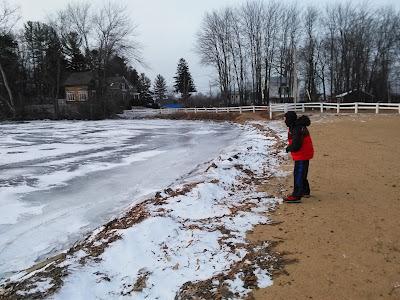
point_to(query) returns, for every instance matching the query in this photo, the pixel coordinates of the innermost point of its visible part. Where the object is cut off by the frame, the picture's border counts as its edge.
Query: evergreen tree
(53, 62)
(160, 87)
(44, 55)
(133, 77)
(118, 66)
(144, 89)
(183, 80)
(76, 61)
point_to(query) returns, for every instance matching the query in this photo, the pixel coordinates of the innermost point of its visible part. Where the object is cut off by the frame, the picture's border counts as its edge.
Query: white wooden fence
(356, 107)
(335, 107)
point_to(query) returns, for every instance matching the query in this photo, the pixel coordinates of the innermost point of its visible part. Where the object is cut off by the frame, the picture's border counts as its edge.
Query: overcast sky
(166, 29)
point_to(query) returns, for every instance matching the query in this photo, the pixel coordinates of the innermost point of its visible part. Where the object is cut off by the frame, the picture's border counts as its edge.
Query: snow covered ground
(60, 180)
(188, 241)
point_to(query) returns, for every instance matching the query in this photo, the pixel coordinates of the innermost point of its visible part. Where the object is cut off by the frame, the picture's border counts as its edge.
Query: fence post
(356, 108)
(227, 110)
(377, 108)
(285, 109)
(216, 110)
(337, 108)
(254, 109)
(303, 107)
(195, 110)
(270, 111)
(240, 109)
(322, 107)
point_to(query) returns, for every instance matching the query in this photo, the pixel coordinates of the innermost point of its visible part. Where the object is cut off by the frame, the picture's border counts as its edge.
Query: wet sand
(346, 237)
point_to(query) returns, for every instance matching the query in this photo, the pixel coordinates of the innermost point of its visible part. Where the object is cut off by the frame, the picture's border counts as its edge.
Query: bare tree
(114, 34)
(386, 28)
(78, 15)
(213, 47)
(9, 15)
(273, 13)
(288, 47)
(252, 18)
(322, 58)
(345, 47)
(236, 47)
(309, 52)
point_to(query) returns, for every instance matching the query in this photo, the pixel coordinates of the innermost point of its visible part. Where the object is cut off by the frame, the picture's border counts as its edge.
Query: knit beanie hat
(290, 118)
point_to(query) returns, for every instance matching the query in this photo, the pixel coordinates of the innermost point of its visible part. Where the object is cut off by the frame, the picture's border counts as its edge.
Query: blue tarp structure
(173, 105)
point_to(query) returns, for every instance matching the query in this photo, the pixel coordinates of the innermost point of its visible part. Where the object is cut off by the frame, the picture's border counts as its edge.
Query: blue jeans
(301, 185)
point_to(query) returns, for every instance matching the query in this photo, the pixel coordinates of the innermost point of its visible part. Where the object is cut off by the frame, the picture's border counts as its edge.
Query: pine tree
(44, 53)
(160, 87)
(144, 89)
(76, 61)
(133, 77)
(183, 80)
(118, 66)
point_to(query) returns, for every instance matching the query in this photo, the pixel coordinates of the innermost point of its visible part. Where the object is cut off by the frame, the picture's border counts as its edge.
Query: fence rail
(321, 107)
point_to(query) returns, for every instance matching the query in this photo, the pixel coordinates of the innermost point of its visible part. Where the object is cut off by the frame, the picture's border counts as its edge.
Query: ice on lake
(60, 180)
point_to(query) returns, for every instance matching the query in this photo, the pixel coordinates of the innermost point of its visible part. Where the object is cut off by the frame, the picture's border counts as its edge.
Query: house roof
(79, 78)
(118, 80)
(343, 94)
(352, 92)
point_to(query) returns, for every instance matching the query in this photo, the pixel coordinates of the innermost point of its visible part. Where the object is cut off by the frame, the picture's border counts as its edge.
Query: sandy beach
(345, 239)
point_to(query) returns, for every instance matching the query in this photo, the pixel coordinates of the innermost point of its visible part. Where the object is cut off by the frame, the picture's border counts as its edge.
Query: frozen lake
(60, 180)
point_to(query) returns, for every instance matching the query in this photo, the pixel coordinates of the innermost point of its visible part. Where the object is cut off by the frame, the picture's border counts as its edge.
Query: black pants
(301, 186)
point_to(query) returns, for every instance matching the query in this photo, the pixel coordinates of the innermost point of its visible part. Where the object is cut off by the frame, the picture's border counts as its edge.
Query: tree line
(322, 52)
(35, 60)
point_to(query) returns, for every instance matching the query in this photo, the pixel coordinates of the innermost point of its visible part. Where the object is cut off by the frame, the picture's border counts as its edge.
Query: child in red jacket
(301, 149)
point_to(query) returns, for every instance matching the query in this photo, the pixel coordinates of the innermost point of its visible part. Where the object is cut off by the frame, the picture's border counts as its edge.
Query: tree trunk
(56, 108)
(10, 102)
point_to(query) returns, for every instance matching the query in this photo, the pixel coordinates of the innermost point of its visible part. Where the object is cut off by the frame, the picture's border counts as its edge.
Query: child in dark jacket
(301, 148)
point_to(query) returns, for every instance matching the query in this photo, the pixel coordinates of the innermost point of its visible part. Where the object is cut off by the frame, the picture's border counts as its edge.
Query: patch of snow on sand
(199, 203)
(237, 285)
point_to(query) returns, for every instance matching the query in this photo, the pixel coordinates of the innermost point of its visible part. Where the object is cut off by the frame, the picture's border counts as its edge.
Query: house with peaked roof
(119, 86)
(80, 87)
(81, 96)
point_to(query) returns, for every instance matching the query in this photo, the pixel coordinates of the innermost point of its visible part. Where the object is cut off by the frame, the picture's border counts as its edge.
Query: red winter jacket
(300, 142)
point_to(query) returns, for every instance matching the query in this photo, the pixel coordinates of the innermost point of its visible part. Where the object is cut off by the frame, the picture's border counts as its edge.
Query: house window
(83, 95)
(71, 96)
